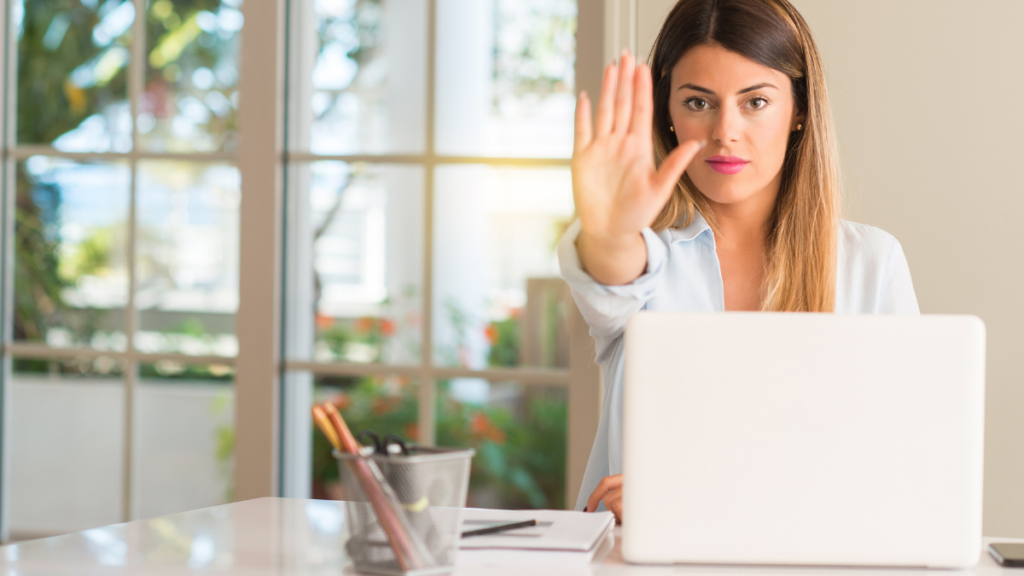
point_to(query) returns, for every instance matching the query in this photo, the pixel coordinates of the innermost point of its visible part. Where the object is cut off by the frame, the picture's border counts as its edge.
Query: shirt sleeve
(897, 296)
(607, 308)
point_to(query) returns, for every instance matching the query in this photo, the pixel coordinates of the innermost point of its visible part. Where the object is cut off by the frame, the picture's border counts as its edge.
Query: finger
(606, 102)
(583, 128)
(624, 94)
(596, 495)
(613, 502)
(675, 164)
(595, 499)
(643, 103)
(607, 483)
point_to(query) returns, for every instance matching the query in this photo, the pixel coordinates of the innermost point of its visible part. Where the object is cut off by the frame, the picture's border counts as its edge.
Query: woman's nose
(728, 126)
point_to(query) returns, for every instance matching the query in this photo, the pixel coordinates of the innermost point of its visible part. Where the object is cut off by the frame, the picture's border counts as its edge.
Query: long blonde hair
(801, 247)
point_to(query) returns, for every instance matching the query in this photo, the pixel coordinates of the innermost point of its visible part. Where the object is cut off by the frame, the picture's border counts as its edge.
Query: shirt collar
(697, 226)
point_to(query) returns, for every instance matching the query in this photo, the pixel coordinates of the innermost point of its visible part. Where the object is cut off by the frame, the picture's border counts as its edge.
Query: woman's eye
(758, 103)
(697, 104)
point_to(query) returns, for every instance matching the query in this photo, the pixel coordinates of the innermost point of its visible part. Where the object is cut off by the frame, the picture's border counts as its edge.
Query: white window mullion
(8, 58)
(427, 417)
(136, 83)
(260, 150)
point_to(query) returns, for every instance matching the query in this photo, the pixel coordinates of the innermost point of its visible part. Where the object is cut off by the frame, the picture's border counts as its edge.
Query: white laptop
(803, 439)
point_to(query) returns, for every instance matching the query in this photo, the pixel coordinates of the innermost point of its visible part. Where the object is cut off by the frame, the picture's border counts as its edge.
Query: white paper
(538, 558)
(562, 530)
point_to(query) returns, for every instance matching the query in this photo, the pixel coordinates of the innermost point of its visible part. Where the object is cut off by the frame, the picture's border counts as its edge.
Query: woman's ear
(799, 121)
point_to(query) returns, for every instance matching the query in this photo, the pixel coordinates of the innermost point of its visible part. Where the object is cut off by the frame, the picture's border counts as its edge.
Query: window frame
(131, 358)
(269, 417)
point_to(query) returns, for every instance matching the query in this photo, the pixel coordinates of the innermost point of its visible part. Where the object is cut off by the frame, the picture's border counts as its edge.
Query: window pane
(359, 76)
(70, 279)
(190, 101)
(355, 270)
(184, 438)
(506, 77)
(187, 258)
(66, 440)
(498, 298)
(72, 80)
(519, 433)
(383, 404)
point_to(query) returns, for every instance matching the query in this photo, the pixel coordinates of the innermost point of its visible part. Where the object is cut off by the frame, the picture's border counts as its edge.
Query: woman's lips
(727, 164)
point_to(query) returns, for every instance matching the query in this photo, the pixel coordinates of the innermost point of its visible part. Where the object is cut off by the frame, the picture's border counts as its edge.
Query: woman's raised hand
(616, 187)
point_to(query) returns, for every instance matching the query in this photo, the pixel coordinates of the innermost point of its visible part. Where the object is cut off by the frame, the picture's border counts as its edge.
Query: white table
(304, 537)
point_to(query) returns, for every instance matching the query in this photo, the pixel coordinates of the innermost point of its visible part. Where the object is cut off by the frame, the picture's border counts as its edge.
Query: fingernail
(703, 143)
(625, 51)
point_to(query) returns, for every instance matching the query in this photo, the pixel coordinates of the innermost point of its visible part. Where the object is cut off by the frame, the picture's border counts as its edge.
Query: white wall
(927, 101)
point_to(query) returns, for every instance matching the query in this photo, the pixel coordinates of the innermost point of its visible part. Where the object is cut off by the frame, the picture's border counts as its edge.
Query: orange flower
(323, 322)
(382, 406)
(491, 333)
(364, 324)
(412, 432)
(483, 427)
(341, 402)
(387, 327)
(479, 424)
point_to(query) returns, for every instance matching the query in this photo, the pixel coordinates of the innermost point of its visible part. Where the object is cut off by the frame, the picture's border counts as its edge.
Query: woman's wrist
(612, 260)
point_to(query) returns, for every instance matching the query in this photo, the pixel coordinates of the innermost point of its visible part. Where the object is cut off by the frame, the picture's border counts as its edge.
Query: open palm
(617, 188)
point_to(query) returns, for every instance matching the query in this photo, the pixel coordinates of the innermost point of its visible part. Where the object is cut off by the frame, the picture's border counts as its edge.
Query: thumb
(674, 165)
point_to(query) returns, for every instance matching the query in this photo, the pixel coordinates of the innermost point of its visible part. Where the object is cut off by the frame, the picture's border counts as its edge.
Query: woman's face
(745, 113)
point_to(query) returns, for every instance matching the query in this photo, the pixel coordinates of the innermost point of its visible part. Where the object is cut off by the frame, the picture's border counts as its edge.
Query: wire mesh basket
(431, 486)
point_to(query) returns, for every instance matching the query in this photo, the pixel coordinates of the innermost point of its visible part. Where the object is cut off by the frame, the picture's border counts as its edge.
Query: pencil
(410, 551)
(325, 426)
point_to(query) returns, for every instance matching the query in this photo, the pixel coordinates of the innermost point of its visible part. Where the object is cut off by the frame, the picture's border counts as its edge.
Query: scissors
(390, 445)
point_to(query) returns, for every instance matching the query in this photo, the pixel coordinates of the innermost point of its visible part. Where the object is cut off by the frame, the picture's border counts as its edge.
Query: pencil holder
(430, 485)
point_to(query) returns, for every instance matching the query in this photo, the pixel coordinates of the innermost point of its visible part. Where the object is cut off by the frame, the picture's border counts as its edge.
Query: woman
(741, 212)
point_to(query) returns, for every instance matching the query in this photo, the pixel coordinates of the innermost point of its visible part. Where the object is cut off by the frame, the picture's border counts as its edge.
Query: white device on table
(803, 439)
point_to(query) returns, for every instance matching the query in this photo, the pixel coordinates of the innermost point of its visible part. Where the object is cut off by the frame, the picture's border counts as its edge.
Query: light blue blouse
(683, 275)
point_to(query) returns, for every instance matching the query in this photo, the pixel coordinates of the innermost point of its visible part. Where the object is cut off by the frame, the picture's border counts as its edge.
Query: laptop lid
(814, 439)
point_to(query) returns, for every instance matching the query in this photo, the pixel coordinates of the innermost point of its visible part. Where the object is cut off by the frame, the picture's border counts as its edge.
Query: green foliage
(170, 369)
(89, 257)
(520, 460)
(49, 102)
(224, 452)
(535, 51)
(37, 287)
(503, 336)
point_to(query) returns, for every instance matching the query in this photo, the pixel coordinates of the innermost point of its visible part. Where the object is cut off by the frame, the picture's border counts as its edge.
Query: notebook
(560, 538)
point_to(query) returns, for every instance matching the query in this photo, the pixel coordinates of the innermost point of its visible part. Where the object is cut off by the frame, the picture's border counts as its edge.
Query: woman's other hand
(609, 491)
(617, 190)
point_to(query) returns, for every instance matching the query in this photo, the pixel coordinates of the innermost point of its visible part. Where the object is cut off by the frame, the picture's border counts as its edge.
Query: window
(426, 167)
(428, 181)
(122, 225)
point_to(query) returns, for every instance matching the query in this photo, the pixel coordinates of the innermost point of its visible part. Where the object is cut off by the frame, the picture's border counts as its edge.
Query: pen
(498, 528)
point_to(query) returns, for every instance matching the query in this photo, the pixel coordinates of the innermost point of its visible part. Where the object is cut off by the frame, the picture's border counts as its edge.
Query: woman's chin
(727, 196)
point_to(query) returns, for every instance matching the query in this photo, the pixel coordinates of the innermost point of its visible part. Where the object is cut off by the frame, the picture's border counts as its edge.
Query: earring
(671, 128)
(799, 127)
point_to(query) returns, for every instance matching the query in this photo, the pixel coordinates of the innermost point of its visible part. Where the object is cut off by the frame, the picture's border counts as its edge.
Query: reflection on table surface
(304, 537)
